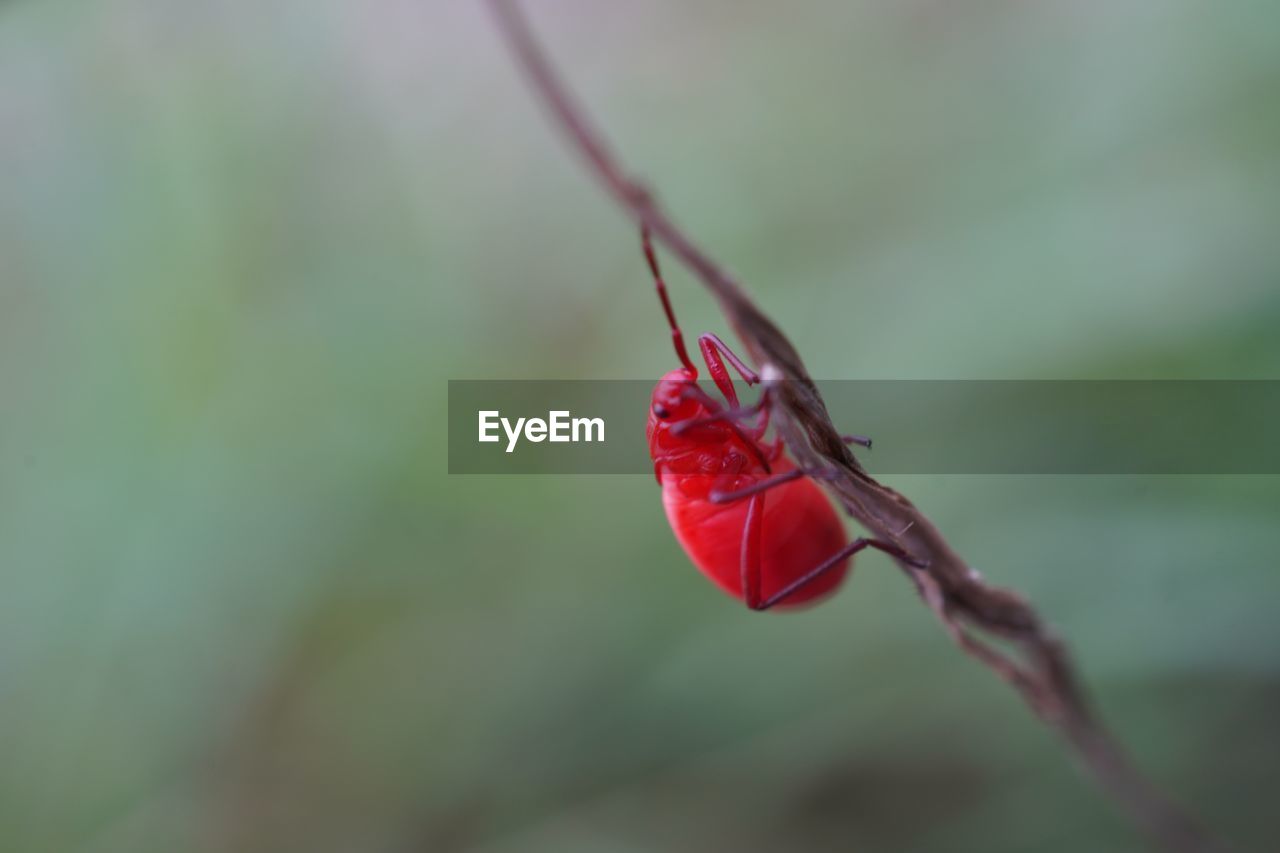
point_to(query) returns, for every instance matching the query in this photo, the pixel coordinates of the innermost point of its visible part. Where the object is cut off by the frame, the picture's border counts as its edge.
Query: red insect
(742, 511)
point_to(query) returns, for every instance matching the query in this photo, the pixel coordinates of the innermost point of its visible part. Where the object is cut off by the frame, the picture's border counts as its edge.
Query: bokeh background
(243, 245)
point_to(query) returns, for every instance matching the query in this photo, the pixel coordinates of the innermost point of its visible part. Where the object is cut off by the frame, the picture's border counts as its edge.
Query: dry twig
(968, 608)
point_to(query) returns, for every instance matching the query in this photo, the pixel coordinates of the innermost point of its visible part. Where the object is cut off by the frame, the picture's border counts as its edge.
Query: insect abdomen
(800, 531)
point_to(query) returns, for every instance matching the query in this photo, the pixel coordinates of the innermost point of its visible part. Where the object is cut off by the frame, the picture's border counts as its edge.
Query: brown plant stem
(968, 609)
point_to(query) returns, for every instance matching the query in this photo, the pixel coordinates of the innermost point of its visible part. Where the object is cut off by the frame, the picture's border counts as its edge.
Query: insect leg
(831, 562)
(718, 497)
(762, 426)
(715, 353)
(762, 406)
(752, 530)
(713, 347)
(690, 391)
(718, 416)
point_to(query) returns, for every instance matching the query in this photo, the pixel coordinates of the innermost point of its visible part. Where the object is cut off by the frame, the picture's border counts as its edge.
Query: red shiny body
(798, 529)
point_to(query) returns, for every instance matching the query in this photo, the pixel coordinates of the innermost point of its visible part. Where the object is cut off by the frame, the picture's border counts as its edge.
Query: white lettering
(559, 423)
(587, 424)
(487, 424)
(559, 427)
(513, 435)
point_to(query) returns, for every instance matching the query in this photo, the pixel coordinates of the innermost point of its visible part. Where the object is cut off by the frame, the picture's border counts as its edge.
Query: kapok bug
(743, 512)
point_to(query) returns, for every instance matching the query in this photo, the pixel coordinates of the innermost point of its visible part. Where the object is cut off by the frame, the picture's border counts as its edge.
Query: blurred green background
(243, 245)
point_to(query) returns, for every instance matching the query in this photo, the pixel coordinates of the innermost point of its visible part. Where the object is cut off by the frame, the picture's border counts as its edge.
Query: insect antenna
(677, 337)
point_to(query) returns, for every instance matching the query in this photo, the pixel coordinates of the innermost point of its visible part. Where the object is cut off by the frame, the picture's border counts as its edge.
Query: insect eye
(660, 410)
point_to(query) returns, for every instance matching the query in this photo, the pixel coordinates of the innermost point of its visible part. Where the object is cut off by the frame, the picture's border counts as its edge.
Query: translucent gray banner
(918, 426)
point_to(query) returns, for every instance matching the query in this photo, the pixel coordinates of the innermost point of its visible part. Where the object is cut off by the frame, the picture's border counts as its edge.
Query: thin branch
(967, 608)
